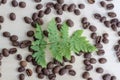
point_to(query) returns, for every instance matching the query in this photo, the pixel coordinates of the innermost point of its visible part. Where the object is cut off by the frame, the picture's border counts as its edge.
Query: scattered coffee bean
(38, 69)
(102, 60)
(29, 72)
(84, 20)
(88, 67)
(14, 38)
(116, 47)
(47, 10)
(14, 3)
(72, 59)
(39, 21)
(21, 77)
(52, 76)
(97, 16)
(77, 12)
(62, 71)
(23, 63)
(57, 6)
(59, 12)
(103, 19)
(70, 23)
(6, 34)
(86, 75)
(109, 6)
(86, 62)
(71, 7)
(105, 40)
(107, 23)
(5, 52)
(114, 27)
(87, 55)
(21, 69)
(81, 6)
(15, 43)
(112, 14)
(41, 75)
(92, 28)
(34, 17)
(72, 72)
(59, 26)
(99, 70)
(113, 78)
(114, 21)
(1, 19)
(65, 7)
(58, 19)
(91, 1)
(50, 4)
(68, 66)
(60, 1)
(89, 79)
(12, 50)
(50, 65)
(39, 6)
(106, 77)
(22, 4)
(19, 57)
(105, 35)
(93, 60)
(99, 45)
(25, 43)
(79, 54)
(29, 58)
(118, 24)
(45, 32)
(102, 3)
(86, 25)
(3, 1)
(30, 33)
(100, 52)
(93, 35)
(27, 20)
(45, 71)
(56, 69)
(12, 16)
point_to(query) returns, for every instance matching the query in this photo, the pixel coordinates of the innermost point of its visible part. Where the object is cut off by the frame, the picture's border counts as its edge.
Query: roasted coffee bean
(103, 19)
(114, 27)
(118, 54)
(113, 78)
(29, 58)
(118, 41)
(58, 19)
(52, 76)
(21, 77)
(98, 39)
(114, 21)
(19, 57)
(99, 45)
(21, 69)
(93, 60)
(59, 12)
(116, 47)
(1, 19)
(30, 33)
(50, 65)
(70, 23)
(72, 72)
(106, 77)
(14, 3)
(71, 7)
(91, 1)
(88, 67)
(38, 69)
(99, 70)
(15, 43)
(25, 43)
(92, 28)
(1, 56)
(14, 38)
(87, 55)
(65, 7)
(22, 4)
(5, 52)
(40, 14)
(112, 14)
(118, 24)
(102, 60)
(86, 75)
(59, 26)
(68, 66)
(12, 16)
(62, 71)
(60, 1)
(89, 79)
(27, 20)
(105, 35)
(41, 75)
(12, 50)
(29, 72)
(102, 3)
(6, 34)
(37, 1)
(72, 59)
(57, 6)
(77, 12)
(45, 32)
(56, 69)
(50, 4)
(86, 25)
(3, 1)
(47, 10)
(100, 52)
(86, 62)
(81, 6)
(109, 6)
(84, 20)
(105, 40)
(97, 16)
(34, 16)
(39, 6)
(23, 63)
(39, 21)
(107, 23)
(93, 35)
(45, 71)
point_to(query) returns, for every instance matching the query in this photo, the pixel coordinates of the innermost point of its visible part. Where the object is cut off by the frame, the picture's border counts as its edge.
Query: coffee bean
(100, 52)
(62, 71)
(25, 43)
(56, 69)
(88, 67)
(84, 20)
(45, 71)
(114, 27)
(98, 39)
(91, 1)
(1, 19)
(87, 55)
(118, 54)
(70, 23)
(116, 47)
(89, 79)
(118, 24)
(97, 16)
(118, 41)
(52, 76)
(38, 69)
(30, 33)
(102, 60)
(45, 32)
(102, 3)
(12, 16)
(81, 6)
(59, 26)
(60, 1)
(6, 34)
(3, 1)
(72, 59)
(114, 21)
(58, 19)
(22, 4)
(57, 6)
(14, 3)
(41, 75)
(65, 7)
(99, 70)
(112, 14)
(93, 35)
(19, 57)
(106, 77)
(39, 21)
(34, 62)
(5, 52)
(93, 60)
(92, 28)
(40, 14)
(50, 65)
(86, 25)
(29, 72)
(99, 45)
(21, 69)
(50, 4)
(59, 12)
(105, 35)
(86, 75)
(15, 43)
(105, 40)
(86, 62)
(27, 20)
(113, 78)
(23, 63)
(68, 66)
(47, 10)
(37, 1)
(12, 50)
(77, 12)
(107, 23)
(71, 7)
(29, 58)
(14, 38)
(72, 72)
(39, 6)
(21, 77)
(34, 16)
(109, 6)
(103, 19)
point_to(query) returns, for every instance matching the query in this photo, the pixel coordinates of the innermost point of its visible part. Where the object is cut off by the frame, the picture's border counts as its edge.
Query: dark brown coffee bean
(39, 6)
(47, 10)
(77, 12)
(98, 39)
(45, 71)
(21, 77)
(1, 19)
(105, 40)
(97, 16)
(118, 24)
(89, 79)
(6, 34)
(86, 75)
(91, 1)
(52, 76)
(106, 77)
(93, 60)
(71, 7)
(22, 4)
(70, 23)
(29, 58)
(34, 62)
(68, 66)
(81, 6)
(112, 14)
(14, 38)
(99, 70)
(105, 35)
(38, 69)
(30, 33)
(116, 47)
(100, 52)
(40, 14)
(59, 12)
(45, 32)
(107, 23)
(72, 72)
(57, 6)
(56, 69)
(50, 4)
(19, 57)
(118, 41)
(88, 67)
(39, 21)
(86, 62)
(14, 3)
(23, 63)
(27, 20)
(65, 7)
(12, 16)
(114, 21)
(12, 50)
(41, 75)
(93, 35)
(113, 78)
(92, 28)
(118, 54)
(15, 43)
(114, 27)
(86, 25)
(102, 60)
(109, 6)
(99, 45)
(84, 20)
(5, 52)
(21, 69)
(37, 1)
(72, 59)
(59, 26)
(62, 71)
(103, 19)
(87, 55)
(102, 3)
(50, 65)
(58, 19)
(3, 1)
(34, 16)
(29, 72)
(25, 43)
